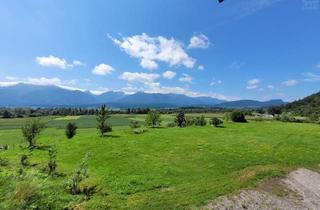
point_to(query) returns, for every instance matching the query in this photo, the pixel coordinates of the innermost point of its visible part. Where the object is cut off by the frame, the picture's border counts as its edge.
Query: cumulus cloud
(199, 41)
(52, 61)
(56, 62)
(169, 74)
(253, 84)
(289, 83)
(139, 77)
(186, 78)
(151, 50)
(102, 69)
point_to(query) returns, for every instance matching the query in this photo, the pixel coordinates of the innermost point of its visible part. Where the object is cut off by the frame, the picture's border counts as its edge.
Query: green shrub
(237, 116)
(153, 119)
(190, 121)
(71, 130)
(200, 121)
(134, 124)
(216, 122)
(140, 130)
(171, 125)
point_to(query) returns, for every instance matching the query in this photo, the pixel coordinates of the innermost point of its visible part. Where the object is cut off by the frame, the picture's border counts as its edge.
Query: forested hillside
(305, 107)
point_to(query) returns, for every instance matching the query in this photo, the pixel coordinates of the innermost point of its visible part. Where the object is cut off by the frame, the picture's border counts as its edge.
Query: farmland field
(163, 168)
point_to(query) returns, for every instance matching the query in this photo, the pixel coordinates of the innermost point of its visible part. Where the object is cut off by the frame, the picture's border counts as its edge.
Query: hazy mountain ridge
(33, 95)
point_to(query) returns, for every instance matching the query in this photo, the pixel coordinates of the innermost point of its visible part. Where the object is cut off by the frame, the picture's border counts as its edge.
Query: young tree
(216, 122)
(71, 130)
(153, 119)
(52, 165)
(102, 116)
(31, 130)
(180, 120)
(73, 185)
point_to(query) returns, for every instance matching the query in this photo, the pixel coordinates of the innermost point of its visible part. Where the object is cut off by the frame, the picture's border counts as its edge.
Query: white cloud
(151, 50)
(148, 64)
(44, 81)
(199, 41)
(253, 84)
(186, 78)
(103, 69)
(77, 63)
(139, 77)
(215, 82)
(271, 87)
(311, 77)
(7, 84)
(52, 61)
(288, 83)
(169, 74)
(200, 67)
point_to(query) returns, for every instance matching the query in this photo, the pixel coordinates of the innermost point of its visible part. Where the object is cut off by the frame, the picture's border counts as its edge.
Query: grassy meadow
(163, 168)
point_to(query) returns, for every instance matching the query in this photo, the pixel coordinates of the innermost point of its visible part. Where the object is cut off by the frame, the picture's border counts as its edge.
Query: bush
(153, 119)
(237, 116)
(287, 117)
(216, 122)
(31, 130)
(200, 121)
(314, 117)
(71, 130)
(180, 120)
(190, 121)
(140, 130)
(134, 124)
(171, 125)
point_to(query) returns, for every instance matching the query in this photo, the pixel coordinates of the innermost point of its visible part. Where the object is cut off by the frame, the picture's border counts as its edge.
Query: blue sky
(244, 49)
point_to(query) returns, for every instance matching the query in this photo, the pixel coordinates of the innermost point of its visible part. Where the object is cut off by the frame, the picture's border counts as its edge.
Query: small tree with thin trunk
(102, 116)
(153, 119)
(52, 165)
(31, 130)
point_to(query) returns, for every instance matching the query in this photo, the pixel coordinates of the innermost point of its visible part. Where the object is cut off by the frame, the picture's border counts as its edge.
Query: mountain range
(52, 96)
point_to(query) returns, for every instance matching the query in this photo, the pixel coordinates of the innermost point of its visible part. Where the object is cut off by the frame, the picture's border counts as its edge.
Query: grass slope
(166, 168)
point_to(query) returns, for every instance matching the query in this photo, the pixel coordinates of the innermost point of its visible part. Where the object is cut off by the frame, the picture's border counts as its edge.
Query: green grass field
(164, 168)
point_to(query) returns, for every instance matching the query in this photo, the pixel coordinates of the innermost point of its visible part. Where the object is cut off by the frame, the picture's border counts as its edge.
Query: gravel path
(299, 190)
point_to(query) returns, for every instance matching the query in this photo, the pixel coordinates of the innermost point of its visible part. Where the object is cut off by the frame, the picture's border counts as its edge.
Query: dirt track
(299, 190)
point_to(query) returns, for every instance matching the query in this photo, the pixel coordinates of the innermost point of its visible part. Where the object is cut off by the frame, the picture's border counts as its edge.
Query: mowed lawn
(165, 168)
